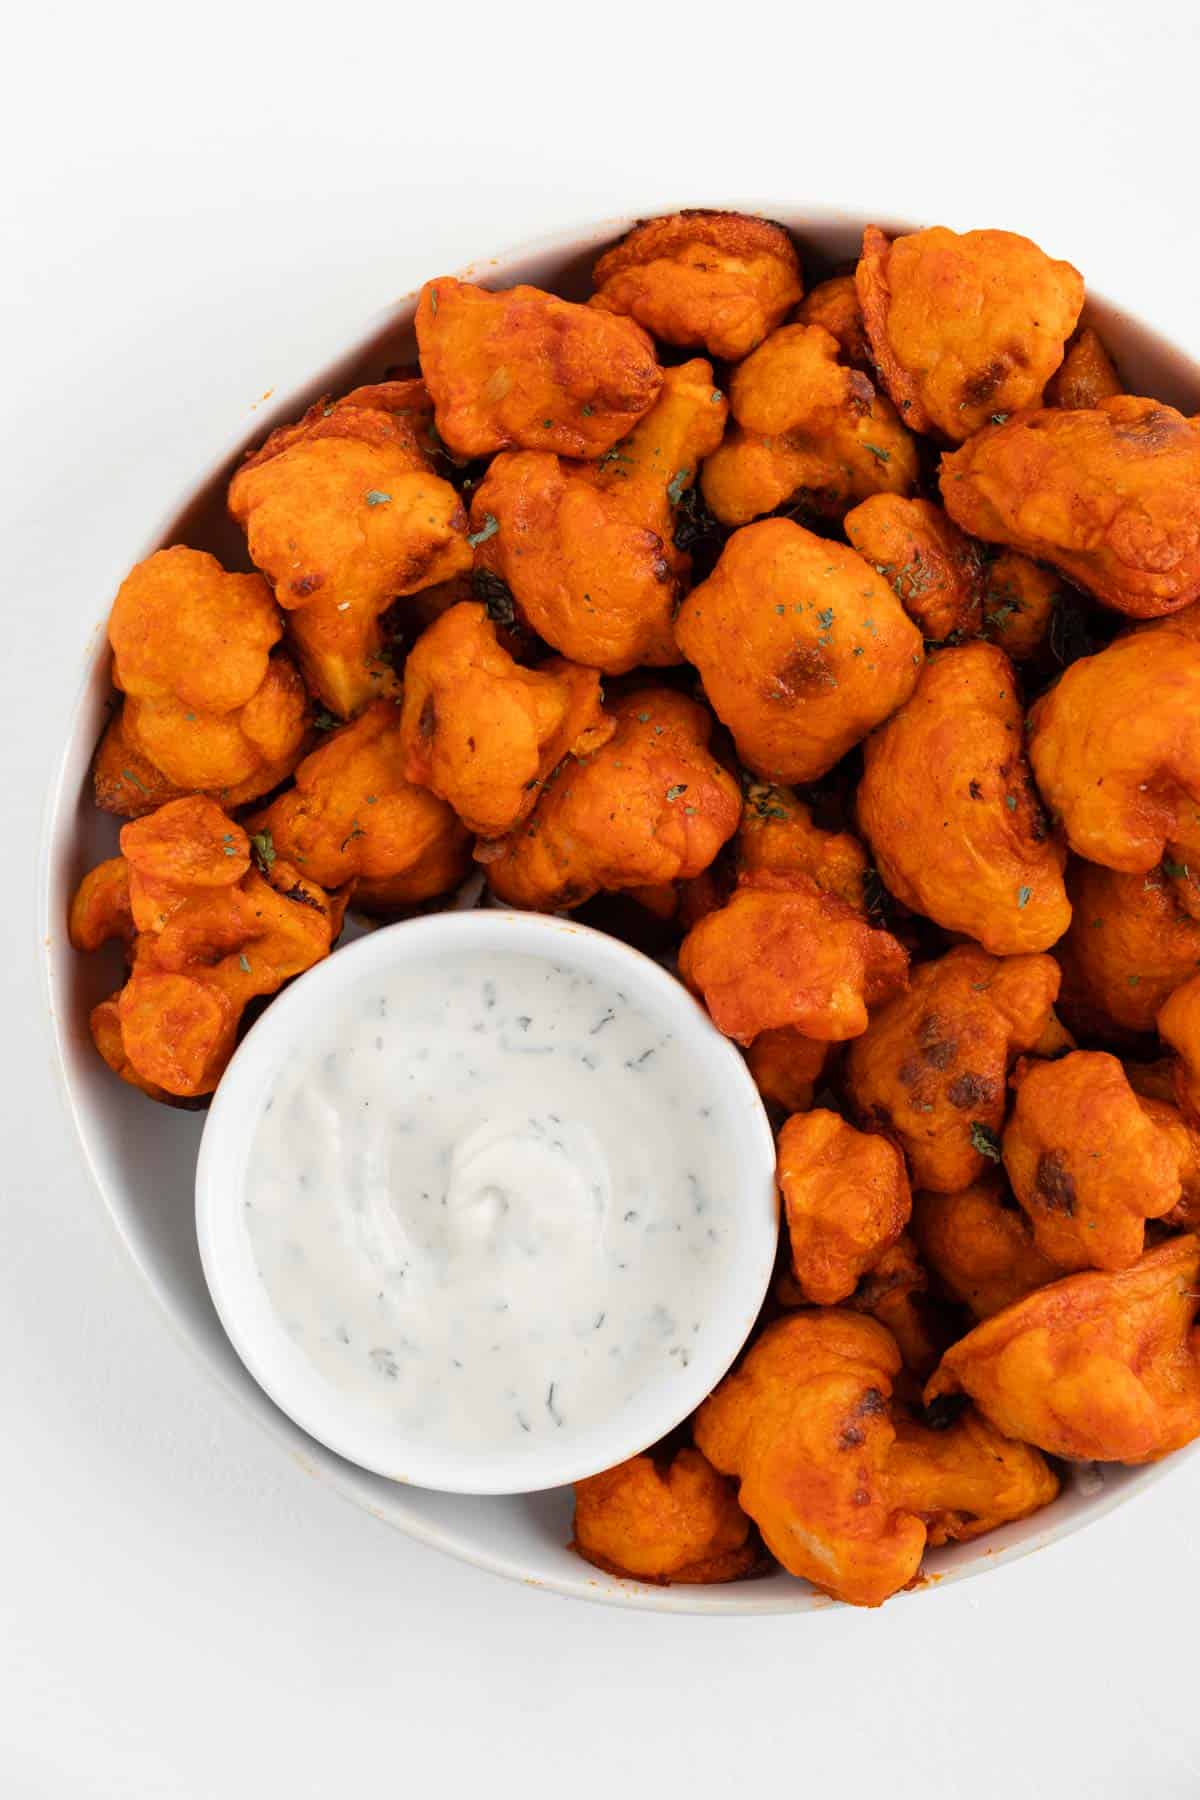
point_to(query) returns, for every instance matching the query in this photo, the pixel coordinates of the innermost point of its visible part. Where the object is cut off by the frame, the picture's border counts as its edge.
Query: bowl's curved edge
(1140, 344)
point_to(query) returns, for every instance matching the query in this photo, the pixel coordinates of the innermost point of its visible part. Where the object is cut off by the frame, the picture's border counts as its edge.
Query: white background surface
(199, 204)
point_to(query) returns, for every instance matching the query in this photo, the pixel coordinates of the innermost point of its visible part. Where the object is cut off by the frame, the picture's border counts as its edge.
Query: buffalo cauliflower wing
(934, 570)
(1130, 945)
(930, 1070)
(209, 928)
(1086, 375)
(804, 1423)
(1179, 1029)
(1111, 496)
(343, 513)
(802, 648)
(714, 281)
(354, 815)
(207, 707)
(964, 326)
(1097, 1367)
(484, 733)
(967, 1478)
(785, 952)
(1115, 749)
(846, 1201)
(948, 807)
(587, 549)
(833, 304)
(664, 1522)
(1088, 1165)
(980, 1245)
(523, 370)
(808, 430)
(650, 806)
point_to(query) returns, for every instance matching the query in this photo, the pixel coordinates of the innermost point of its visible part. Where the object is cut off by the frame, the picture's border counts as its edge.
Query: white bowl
(745, 1206)
(143, 1157)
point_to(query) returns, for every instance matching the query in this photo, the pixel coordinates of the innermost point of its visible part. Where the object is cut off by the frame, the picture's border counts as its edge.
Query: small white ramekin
(721, 1081)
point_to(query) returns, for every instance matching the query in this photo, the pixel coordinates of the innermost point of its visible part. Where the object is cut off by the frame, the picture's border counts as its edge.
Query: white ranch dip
(487, 1203)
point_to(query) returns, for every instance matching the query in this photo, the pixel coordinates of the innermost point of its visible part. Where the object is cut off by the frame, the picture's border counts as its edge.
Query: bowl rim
(250, 1321)
(51, 949)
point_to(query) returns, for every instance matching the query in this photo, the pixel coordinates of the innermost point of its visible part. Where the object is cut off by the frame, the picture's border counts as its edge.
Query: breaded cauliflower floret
(652, 805)
(354, 816)
(932, 1067)
(664, 1522)
(520, 369)
(587, 549)
(483, 732)
(1111, 496)
(803, 649)
(809, 430)
(948, 807)
(964, 326)
(344, 513)
(208, 708)
(207, 932)
(1098, 1367)
(713, 281)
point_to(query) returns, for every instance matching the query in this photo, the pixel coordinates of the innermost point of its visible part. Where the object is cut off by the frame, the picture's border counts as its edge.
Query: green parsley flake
(883, 455)
(490, 527)
(1023, 896)
(984, 1140)
(433, 301)
(128, 775)
(673, 793)
(263, 846)
(244, 963)
(325, 721)
(1010, 800)
(676, 485)
(825, 617)
(999, 418)
(377, 497)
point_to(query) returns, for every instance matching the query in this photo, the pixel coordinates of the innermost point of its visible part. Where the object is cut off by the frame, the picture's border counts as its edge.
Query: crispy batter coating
(124, 781)
(1086, 1162)
(808, 429)
(650, 806)
(1111, 496)
(1019, 598)
(980, 1245)
(950, 811)
(1130, 945)
(833, 304)
(802, 648)
(930, 1070)
(787, 1066)
(343, 513)
(664, 1522)
(355, 816)
(783, 952)
(1185, 1141)
(964, 326)
(524, 370)
(966, 1479)
(207, 707)
(846, 1200)
(1086, 375)
(804, 1423)
(1115, 748)
(777, 832)
(715, 281)
(208, 933)
(934, 570)
(895, 1291)
(1179, 1029)
(1098, 1367)
(483, 732)
(587, 549)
